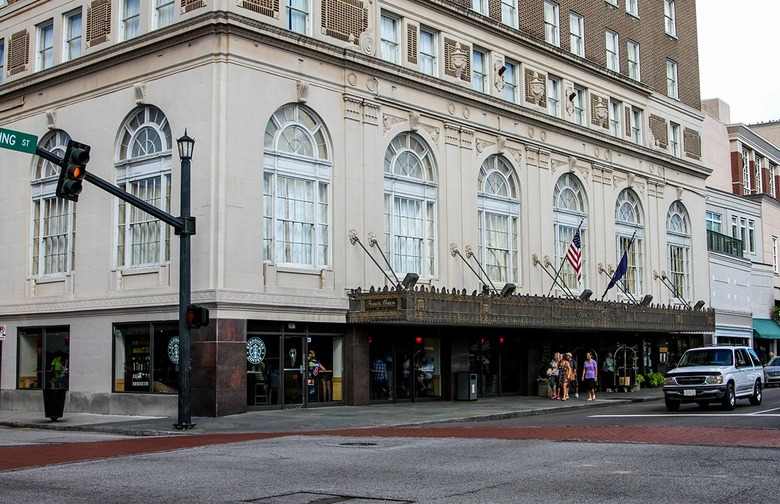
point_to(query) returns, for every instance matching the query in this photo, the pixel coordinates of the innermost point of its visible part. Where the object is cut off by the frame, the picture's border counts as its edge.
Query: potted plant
(543, 386)
(640, 379)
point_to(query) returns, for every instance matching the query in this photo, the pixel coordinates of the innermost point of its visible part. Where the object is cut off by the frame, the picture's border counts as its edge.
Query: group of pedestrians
(563, 376)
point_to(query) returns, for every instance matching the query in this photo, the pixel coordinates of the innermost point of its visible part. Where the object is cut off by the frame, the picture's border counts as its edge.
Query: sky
(739, 56)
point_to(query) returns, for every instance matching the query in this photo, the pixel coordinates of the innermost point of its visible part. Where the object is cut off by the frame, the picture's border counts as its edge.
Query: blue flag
(620, 272)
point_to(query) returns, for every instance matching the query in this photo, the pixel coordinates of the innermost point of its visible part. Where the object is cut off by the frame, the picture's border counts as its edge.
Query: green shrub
(654, 379)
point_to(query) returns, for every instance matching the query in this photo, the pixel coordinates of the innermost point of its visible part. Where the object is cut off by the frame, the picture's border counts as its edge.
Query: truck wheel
(730, 399)
(757, 396)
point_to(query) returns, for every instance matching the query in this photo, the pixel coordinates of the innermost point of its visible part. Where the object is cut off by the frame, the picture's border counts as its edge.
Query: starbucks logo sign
(173, 349)
(255, 350)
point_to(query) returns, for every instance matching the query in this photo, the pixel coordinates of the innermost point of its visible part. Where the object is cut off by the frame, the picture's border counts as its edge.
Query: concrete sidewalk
(325, 418)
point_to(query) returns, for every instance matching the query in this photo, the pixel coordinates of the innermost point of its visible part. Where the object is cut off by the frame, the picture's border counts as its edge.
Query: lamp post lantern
(186, 145)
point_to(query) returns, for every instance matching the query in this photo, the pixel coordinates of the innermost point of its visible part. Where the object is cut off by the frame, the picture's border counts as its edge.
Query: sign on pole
(18, 141)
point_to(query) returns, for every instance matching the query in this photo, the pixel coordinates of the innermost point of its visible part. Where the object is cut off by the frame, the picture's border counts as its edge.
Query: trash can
(54, 403)
(466, 386)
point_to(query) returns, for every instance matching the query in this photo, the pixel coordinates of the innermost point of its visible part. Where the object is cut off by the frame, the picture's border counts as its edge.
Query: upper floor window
(671, 79)
(480, 6)
(130, 21)
(554, 96)
(52, 217)
(296, 188)
(2, 60)
(771, 176)
(674, 139)
(570, 214)
(714, 222)
(143, 168)
(298, 15)
(429, 50)
(410, 206)
(670, 23)
(511, 81)
(615, 124)
(552, 34)
(391, 38)
(633, 60)
(678, 239)
(613, 2)
(637, 120)
(71, 47)
(498, 204)
(746, 178)
(509, 12)
(45, 51)
(760, 165)
(479, 70)
(163, 13)
(632, 7)
(628, 224)
(775, 256)
(613, 56)
(578, 103)
(577, 34)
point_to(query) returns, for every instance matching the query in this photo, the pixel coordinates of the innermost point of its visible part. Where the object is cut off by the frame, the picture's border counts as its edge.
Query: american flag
(574, 255)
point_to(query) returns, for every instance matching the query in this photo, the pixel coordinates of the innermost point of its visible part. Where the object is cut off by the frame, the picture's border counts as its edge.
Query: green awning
(766, 328)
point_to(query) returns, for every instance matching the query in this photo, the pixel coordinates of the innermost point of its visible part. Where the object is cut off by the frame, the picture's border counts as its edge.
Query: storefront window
(44, 357)
(146, 357)
(427, 367)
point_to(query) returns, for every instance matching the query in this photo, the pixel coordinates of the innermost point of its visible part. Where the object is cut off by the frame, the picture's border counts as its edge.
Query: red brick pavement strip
(18, 457)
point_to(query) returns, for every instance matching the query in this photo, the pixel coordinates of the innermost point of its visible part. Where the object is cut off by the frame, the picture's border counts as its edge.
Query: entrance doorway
(295, 384)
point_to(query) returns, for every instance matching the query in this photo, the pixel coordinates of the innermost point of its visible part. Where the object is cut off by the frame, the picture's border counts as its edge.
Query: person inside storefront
(325, 377)
(379, 378)
(424, 371)
(314, 373)
(59, 370)
(608, 373)
(273, 385)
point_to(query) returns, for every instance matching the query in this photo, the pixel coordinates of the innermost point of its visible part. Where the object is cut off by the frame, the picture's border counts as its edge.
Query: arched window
(628, 225)
(296, 192)
(678, 239)
(410, 206)
(52, 217)
(498, 205)
(570, 213)
(143, 169)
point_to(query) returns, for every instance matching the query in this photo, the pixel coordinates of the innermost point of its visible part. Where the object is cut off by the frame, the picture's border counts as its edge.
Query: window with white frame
(578, 102)
(45, 50)
(552, 22)
(772, 173)
(751, 236)
(671, 79)
(628, 225)
(632, 7)
(71, 47)
(509, 12)
(678, 239)
(299, 15)
(143, 168)
(775, 258)
(577, 34)
(674, 139)
(633, 60)
(615, 122)
(429, 50)
(480, 6)
(53, 218)
(296, 189)
(570, 212)
(511, 81)
(163, 13)
(670, 23)
(760, 164)
(479, 70)
(613, 56)
(746, 178)
(130, 20)
(498, 206)
(637, 121)
(554, 95)
(391, 38)
(410, 206)
(743, 229)
(613, 2)
(714, 222)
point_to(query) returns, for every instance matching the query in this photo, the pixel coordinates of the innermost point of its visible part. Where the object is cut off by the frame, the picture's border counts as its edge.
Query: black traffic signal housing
(73, 169)
(197, 316)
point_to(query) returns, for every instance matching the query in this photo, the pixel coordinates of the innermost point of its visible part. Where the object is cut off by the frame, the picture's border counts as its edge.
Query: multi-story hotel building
(340, 146)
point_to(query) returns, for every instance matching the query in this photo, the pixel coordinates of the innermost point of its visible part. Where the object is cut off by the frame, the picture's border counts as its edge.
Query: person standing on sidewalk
(565, 375)
(590, 375)
(554, 376)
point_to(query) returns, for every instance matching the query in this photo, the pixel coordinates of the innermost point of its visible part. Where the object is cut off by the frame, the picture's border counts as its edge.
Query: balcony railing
(724, 244)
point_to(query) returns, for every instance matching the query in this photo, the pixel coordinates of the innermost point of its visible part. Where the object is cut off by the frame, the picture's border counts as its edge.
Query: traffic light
(197, 316)
(73, 169)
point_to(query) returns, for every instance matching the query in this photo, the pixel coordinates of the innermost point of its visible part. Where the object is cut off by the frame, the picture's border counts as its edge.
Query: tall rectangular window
(509, 12)
(554, 96)
(775, 258)
(71, 47)
(552, 34)
(671, 79)
(679, 266)
(633, 60)
(751, 236)
(615, 124)
(674, 139)
(714, 222)
(298, 16)
(130, 21)
(670, 23)
(52, 236)
(746, 178)
(772, 172)
(636, 125)
(759, 164)
(45, 51)
(577, 34)
(144, 240)
(613, 57)
(511, 84)
(428, 52)
(163, 13)
(2, 60)
(578, 102)
(632, 7)
(391, 38)
(479, 70)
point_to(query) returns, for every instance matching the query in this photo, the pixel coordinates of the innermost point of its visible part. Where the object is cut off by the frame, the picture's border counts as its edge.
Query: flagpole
(612, 277)
(558, 273)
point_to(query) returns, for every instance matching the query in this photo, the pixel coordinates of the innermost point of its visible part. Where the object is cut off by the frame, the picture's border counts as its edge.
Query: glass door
(295, 385)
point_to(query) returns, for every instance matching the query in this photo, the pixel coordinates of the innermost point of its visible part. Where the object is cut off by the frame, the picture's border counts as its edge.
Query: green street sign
(18, 141)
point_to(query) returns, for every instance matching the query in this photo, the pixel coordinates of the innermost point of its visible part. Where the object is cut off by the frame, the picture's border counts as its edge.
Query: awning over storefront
(442, 307)
(766, 328)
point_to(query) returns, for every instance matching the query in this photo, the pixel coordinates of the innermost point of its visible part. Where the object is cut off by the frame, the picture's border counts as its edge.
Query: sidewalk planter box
(543, 388)
(54, 403)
